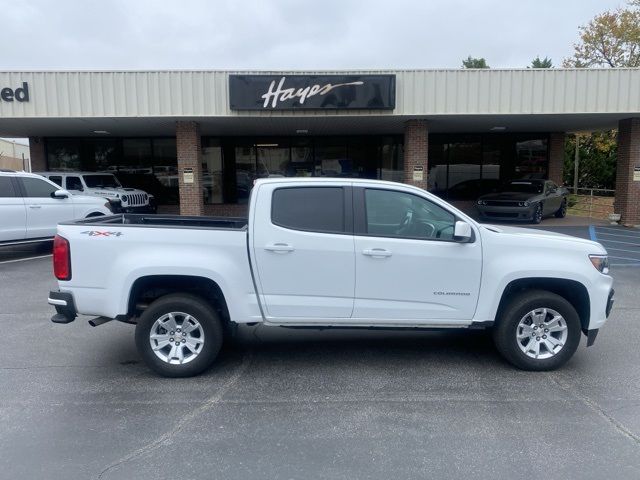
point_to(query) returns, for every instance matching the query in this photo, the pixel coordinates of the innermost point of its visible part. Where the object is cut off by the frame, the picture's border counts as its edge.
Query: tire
(537, 214)
(512, 323)
(562, 211)
(198, 348)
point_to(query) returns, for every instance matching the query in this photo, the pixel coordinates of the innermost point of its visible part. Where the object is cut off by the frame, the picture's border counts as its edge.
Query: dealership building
(197, 140)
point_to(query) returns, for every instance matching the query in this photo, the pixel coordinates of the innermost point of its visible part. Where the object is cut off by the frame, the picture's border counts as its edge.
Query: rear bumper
(65, 307)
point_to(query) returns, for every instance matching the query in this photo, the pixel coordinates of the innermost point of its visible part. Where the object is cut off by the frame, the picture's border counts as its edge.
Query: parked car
(529, 199)
(31, 207)
(320, 253)
(469, 189)
(107, 186)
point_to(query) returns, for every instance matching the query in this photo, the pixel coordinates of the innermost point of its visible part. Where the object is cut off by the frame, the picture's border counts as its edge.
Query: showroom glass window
(212, 174)
(149, 164)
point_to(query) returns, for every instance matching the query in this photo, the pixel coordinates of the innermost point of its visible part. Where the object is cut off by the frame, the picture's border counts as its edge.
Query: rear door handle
(376, 252)
(279, 247)
(35, 206)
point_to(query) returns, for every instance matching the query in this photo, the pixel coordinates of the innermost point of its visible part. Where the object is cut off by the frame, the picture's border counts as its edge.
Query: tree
(597, 160)
(611, 39)
(544, 63)
(471, 62)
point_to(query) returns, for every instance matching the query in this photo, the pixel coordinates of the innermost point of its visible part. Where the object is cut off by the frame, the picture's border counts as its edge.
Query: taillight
(61, 258)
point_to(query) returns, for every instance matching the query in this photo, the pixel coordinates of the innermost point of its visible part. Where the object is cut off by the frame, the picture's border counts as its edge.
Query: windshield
(101, 181)
(524, 187)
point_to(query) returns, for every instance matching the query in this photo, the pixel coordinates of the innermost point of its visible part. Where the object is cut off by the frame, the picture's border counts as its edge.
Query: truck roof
(328, 179)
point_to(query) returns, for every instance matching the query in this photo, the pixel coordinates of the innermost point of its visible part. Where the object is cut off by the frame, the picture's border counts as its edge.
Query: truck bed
(177, 221)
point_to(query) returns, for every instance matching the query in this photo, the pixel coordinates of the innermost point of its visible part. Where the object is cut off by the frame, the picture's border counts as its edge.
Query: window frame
(360, 217)
(347, 192)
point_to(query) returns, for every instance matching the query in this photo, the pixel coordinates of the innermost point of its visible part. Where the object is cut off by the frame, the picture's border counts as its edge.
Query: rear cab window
(314, 209)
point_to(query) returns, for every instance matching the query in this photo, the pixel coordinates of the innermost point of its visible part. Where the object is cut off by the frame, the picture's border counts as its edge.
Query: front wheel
(537, 214)
(179, 335)
(538, 330)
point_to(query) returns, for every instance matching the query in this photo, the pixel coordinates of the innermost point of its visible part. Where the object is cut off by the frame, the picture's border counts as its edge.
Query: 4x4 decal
(99, 233)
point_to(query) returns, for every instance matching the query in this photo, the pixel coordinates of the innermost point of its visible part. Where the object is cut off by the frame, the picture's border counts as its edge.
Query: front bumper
(506, 213)
(65, 307)
(119, 208)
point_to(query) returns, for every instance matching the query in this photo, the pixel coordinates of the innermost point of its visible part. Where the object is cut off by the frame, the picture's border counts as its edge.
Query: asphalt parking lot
(78, 403)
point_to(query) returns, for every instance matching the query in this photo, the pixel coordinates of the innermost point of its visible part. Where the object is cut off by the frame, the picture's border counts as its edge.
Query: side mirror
(60, 194)
(462, 232)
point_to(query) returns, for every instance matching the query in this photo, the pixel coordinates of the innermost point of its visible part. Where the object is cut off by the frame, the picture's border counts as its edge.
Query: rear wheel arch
(571, 290)
(147, 289)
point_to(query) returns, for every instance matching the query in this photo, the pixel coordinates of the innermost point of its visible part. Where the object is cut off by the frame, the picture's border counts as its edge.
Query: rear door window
(317, 209)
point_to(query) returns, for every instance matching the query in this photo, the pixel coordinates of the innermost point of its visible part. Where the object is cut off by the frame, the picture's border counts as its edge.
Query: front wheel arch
(571, 290)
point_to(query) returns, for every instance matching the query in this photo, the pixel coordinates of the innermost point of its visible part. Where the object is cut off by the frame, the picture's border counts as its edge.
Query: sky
(288, 34)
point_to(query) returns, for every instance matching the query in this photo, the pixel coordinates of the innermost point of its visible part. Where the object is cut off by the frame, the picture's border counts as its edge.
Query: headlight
(124, 198)
(481, 202)
(523, 204)
(601, 262)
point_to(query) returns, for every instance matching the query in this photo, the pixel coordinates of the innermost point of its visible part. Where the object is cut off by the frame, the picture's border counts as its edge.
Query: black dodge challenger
(524, 200)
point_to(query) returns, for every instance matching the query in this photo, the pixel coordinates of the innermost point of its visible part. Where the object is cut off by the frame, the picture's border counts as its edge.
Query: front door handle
(35, 206)
(279, 247)
(376, 252)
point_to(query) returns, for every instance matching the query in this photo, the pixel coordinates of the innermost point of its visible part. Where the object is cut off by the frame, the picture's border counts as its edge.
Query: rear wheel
(537, 330)
(179, 335)
(562, 211)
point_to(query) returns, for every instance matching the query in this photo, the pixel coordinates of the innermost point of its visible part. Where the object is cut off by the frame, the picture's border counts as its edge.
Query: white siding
(418, 93)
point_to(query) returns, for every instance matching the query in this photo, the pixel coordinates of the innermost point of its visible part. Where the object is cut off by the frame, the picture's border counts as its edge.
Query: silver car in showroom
(526, 200)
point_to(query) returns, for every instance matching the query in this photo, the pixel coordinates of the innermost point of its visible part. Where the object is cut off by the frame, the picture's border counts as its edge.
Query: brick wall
(556, 157)
(627, 201)
(36, 151)
(189, 156)
(416, 150)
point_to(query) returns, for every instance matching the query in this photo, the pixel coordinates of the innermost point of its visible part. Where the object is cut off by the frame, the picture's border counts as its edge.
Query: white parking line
(618, 230)
(617, 241)
(623, 250)
(617, 235)
(24, 259)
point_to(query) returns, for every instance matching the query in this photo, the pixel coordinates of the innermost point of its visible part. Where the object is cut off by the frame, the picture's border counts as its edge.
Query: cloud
(288, 34)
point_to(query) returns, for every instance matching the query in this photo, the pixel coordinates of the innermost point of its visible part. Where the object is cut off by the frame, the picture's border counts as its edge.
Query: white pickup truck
(321, 253)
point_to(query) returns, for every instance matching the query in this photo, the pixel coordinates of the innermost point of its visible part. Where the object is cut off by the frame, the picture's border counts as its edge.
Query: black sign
(301, 92)
(20, 94)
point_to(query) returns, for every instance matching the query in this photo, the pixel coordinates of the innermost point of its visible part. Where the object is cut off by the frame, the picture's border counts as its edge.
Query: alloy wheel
(176, 338)
(541, 333)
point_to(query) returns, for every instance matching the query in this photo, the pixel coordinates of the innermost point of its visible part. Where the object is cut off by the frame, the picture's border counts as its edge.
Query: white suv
(31, 207)
(107, 186)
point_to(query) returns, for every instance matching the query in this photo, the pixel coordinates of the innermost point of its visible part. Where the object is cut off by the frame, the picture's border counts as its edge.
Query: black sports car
(524, 200)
